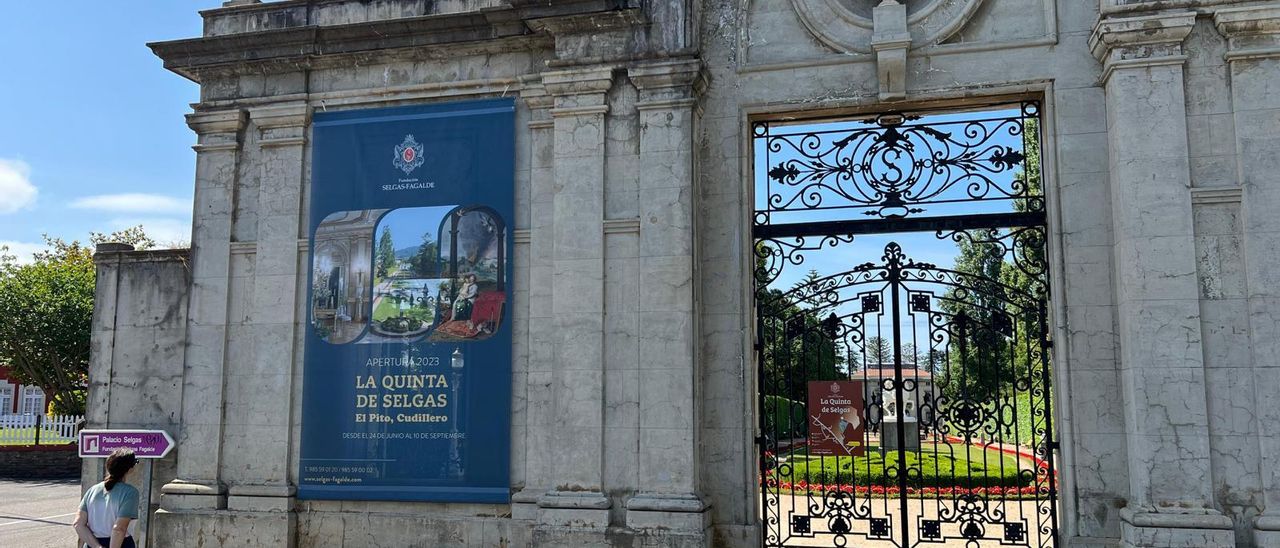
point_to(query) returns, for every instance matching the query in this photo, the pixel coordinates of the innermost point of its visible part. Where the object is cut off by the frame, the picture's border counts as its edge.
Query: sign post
(146, 444)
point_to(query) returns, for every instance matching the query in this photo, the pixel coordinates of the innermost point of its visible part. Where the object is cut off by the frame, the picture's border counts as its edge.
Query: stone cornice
(588, 22)
(298, 46)
(280, 115)
(534, 93)
(594, 80)
(126, 254)
(595, 35)
(1117, 7)
(214, 122)
(1145, 40)
(1252, 32)
(668, 81)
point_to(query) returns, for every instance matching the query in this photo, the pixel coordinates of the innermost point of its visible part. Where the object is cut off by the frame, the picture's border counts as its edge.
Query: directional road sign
(146, 444)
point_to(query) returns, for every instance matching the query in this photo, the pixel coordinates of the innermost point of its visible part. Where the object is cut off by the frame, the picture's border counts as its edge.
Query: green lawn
(937, 465)
(27, 436)
(387, 309)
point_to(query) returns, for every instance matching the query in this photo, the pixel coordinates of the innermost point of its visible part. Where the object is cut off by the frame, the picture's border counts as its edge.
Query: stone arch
(839, 27)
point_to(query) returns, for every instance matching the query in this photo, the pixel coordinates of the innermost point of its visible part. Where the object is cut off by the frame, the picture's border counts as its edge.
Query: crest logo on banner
(408, 155)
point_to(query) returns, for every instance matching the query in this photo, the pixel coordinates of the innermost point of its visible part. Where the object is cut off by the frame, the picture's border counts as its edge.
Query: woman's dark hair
(119, 463)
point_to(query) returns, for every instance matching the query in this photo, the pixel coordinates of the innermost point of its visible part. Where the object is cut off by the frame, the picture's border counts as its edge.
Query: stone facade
(634, 382)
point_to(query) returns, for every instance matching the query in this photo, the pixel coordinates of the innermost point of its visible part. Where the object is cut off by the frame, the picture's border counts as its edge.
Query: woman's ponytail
(119, 464)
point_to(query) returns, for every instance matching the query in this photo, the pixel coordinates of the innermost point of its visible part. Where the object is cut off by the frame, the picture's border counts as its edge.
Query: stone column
(540, 412)
(667, 496)
(1253, 54)
(200, 442)
(264, 398)
(1162, 362)
(577, 300)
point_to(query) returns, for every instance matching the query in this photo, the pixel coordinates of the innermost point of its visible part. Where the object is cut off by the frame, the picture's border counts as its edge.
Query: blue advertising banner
(407, 371)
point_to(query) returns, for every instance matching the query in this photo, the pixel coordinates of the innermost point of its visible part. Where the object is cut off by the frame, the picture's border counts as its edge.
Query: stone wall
(138, 343)
(39, 462)
(633, 202)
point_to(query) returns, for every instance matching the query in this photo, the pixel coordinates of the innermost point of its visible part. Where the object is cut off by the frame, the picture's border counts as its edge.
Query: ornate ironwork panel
(895, 165)
(904, 402)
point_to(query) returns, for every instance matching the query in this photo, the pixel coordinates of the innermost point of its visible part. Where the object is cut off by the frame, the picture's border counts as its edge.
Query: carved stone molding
(663, 84)
(1252, 32)
(838, 26)
(578, 91)
(281, 124)
(1146, 40)
(217, 130)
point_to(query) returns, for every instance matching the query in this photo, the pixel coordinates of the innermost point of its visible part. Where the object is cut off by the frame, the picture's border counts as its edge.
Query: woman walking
(108, 508)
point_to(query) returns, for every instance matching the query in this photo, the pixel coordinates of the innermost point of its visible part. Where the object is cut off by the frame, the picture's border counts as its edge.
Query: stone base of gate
(1175, 530)
(1266, 531)
(670, 512)
(220, 528)
(589, 510)
(613, 537)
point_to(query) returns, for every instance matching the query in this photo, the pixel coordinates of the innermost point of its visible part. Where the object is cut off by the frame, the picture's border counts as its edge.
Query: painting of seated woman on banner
(473, 247)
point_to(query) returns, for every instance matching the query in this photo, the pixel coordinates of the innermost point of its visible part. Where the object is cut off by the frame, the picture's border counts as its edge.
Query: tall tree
(879, 352)
(47, 307)
(386, 254)
(1026, 272)
(979, 358)
(996, 333)
(800, 340)
(426, 261)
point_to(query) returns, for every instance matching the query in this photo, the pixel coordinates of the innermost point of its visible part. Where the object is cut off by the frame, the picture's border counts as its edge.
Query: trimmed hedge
(784, 417)
(977, 468)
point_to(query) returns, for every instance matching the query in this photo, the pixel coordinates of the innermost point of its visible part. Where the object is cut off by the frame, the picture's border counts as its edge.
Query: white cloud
(21, 250)
(166, 232)
(16, 190)
(135, 203)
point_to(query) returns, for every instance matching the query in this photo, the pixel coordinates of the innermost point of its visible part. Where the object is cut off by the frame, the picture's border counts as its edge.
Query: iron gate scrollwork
(902, 402)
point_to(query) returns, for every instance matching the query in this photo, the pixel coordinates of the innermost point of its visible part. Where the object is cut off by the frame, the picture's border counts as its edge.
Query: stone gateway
(678, 166)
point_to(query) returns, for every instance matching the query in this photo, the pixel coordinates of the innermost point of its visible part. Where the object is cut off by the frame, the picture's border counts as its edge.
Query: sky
(92, 135)
(409, 224)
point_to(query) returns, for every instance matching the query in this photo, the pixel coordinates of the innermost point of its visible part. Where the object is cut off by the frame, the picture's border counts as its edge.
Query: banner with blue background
(407, 379)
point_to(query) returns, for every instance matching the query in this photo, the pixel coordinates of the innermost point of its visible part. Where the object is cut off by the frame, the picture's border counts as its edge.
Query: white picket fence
(52, 429)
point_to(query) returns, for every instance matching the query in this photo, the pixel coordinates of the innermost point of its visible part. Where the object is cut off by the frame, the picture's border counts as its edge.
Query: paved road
(38, 513)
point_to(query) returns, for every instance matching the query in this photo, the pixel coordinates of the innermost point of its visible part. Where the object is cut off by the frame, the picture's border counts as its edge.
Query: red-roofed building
(17, 398)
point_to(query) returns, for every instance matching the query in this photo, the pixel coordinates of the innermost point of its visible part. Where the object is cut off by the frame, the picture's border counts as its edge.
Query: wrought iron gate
(902, 402)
